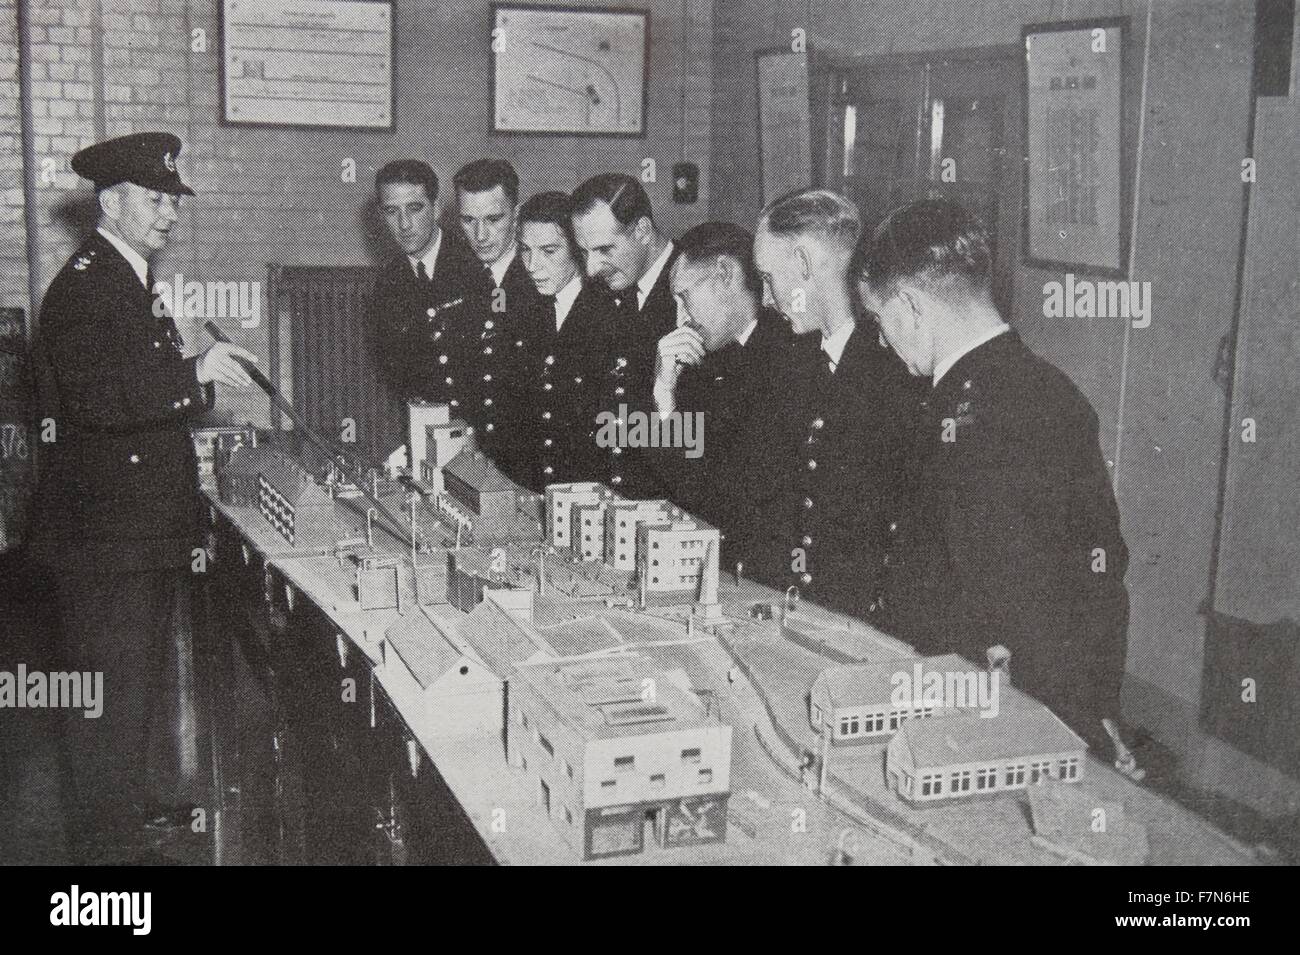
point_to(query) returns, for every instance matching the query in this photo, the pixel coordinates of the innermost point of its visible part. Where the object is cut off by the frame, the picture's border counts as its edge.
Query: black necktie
(422, 272)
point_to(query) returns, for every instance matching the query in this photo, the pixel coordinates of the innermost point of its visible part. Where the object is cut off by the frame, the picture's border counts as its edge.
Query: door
(906, 128)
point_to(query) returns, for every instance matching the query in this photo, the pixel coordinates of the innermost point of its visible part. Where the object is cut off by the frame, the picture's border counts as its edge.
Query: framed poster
(307, 63)
(1075, 195)
(784, 128)
(577, 71)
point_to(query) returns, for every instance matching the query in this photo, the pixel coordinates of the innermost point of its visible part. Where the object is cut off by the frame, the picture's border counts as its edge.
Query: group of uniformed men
(876, 436)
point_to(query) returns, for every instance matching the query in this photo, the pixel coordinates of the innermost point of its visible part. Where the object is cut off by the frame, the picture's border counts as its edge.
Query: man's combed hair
(624, 195)
(818, 212)
(484, 174)
(933, 242)
(550, 207)
(707, 241)
(411, 172)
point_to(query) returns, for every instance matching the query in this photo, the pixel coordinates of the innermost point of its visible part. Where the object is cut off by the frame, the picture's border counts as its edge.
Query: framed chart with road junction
(569, 70)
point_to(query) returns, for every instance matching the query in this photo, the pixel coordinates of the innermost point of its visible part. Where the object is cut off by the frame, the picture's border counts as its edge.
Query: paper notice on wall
(308, 63)
(784, 123)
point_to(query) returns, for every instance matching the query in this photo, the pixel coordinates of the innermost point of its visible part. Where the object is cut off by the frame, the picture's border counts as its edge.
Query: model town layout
(639, 681)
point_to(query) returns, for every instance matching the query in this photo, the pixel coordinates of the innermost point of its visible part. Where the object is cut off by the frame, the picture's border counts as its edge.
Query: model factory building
(614, 747)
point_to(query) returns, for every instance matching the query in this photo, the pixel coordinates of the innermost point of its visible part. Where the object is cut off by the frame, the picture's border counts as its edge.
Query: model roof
(969, 737)
(868, 684)
(426, 650)
(606, 699)
(478, 471)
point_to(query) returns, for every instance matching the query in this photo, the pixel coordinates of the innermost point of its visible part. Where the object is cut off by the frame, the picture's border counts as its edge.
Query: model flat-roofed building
(674, 559)
(621, 520)
(613, 745)
(969, 753)
(560, 499)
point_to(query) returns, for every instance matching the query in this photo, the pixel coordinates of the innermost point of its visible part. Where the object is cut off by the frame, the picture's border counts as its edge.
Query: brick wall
(111, 67)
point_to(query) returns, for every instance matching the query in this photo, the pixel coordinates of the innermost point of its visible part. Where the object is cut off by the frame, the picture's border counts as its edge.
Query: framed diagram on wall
(1076, 195)
(578, 71)
(326, 63)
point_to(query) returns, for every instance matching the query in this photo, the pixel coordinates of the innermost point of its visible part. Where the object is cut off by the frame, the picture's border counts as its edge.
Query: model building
(611, 745)
(967, 754)
(868, 702)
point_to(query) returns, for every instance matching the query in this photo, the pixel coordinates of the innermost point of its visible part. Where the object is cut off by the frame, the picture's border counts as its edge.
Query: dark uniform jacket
(628, 379)
(500, 360)
(422, 328)
(741, 391)
(119, 484)
(845, 479)
(558, 400)
(1006, 541)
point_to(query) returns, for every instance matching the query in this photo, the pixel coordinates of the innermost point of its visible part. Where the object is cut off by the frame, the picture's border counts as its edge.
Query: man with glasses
(117, 512)
(1014, 537)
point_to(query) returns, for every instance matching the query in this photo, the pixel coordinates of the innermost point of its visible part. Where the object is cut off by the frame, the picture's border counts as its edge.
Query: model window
(986, 778)
(706, 776)
(1068, 769)
(1016, 775)
(608, 783)
(931, 785)
(657, 781)
(961, 781)
(895, 718)
(1039, 771)
(816, 715)
(568, 770)
(624, 763)
(848, 726)
(568, 816)
(545, 744)
(691, 755)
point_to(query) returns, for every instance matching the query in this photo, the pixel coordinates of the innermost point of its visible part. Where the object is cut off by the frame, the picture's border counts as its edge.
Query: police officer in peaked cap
(117, 510)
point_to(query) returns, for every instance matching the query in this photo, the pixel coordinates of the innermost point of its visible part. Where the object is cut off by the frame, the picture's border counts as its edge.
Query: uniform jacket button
(546, 416)
(812, 465)
(807, 503)
(818, 424)
(185, 401)
(135, 459)
(442, 359)
(805, 578)
(546, 387)
(807, 540)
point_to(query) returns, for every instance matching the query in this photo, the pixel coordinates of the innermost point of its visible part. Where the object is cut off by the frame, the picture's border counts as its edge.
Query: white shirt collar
(646, 283)
(565, 298)
(942, 368)
(429, 258)
(498, 268)
(834, 345)
(743, 337)
(131, 255)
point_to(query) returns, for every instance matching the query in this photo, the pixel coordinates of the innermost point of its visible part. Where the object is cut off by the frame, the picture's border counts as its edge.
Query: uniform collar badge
(169, 162)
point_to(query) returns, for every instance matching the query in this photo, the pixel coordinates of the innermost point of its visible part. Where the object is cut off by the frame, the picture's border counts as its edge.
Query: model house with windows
(621, 521)
(968, 754)
(677, 561)
(859, 703)
(587, 531)
(560, 501)
(236, 472)
(618, 753)
(487, 497)
(297, 507)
